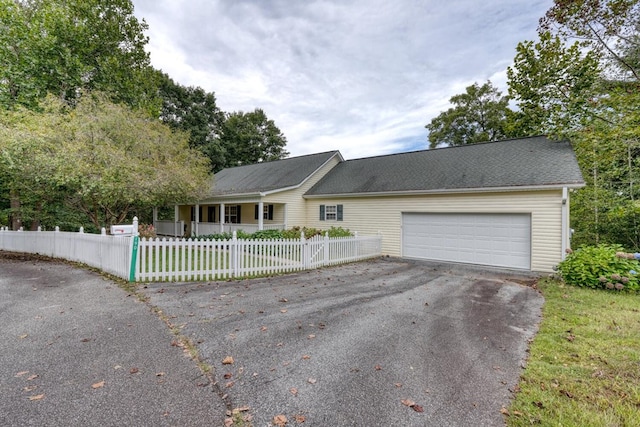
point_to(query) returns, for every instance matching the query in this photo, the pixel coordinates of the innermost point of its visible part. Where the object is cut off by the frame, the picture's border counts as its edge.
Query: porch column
(197, 218)
(221, 217)
(155, 218)
(285, 216)
(260, 215)
(176, 217)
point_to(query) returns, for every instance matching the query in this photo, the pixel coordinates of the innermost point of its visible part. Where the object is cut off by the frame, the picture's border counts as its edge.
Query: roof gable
(269, 176)
(525, 162)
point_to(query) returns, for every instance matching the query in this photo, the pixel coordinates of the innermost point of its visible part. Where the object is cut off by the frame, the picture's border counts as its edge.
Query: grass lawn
(584, 364)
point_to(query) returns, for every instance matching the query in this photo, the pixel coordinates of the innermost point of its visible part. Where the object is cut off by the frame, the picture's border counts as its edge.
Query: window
(331, 212)
(232, 214)
(211, 213)
(267, 212)
(193, 213)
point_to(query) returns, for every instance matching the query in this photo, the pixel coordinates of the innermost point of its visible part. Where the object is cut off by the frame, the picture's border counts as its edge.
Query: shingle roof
(525, 162)
(268, 176)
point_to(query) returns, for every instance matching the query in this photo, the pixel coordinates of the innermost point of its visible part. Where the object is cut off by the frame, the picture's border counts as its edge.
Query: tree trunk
(16, 218)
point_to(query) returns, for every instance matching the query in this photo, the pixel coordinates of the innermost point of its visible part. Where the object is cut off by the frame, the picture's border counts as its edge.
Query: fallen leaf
(23, 336)
(98, 385)
(32, 377)
(134, 370)
(504, 411)
(228, 422)
(378, 368)
(160, 374)
(284, 310)
(240, 409)
(37, 397)
(227, 375)
(293, 391)
(229, 384)
(227, 360)
(398, 385)
(408, 402)
(300, 418)
(417, 408)
(264, 328)
(280, 420)
(284, 300)
(30, 388)
(85, 340)
(21, 373)
(306, 357)
(312, 380)
(312, 336)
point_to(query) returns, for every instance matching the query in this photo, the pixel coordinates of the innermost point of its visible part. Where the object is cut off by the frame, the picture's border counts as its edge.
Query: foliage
(600, 267)
(250, 138)
(608, 28)
(582, 367)
(66, 47)
(147, 231)
(480, 114)
(193, 110)
(292, 233)
(553, 85)
(99, 158)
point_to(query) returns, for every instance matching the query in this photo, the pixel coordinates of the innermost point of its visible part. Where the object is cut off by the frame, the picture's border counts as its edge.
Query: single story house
(503, 203)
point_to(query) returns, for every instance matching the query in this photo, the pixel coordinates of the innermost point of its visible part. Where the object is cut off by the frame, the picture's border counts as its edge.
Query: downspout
(564, 211)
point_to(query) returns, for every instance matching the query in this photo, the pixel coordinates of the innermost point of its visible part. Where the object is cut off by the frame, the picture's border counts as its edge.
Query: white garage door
(502, 240)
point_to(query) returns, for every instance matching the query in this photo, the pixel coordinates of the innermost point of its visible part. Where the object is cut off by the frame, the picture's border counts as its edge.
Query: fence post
(304, 251)
(39, 228)
(134, 251)
(103, 231)
(81, 231)
(326, 249)
(234, 254)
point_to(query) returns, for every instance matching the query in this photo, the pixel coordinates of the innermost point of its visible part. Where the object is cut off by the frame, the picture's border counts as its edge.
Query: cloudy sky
(360, 76)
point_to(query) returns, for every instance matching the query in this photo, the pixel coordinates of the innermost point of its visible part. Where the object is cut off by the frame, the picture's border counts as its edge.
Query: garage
(495, 239)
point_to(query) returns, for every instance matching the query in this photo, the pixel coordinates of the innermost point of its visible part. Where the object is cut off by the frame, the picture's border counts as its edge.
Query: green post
(134, 251)
(134, 258)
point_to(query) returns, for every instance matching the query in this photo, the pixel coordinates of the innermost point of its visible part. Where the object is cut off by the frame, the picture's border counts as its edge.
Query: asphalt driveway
(341, 346)
(346, 346)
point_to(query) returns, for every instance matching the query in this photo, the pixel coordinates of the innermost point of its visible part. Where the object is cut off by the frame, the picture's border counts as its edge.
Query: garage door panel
(502, 240)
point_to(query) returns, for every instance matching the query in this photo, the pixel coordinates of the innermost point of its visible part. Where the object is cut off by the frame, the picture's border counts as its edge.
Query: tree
(193, 110)
(480, 114)
(65, 47)
(251, 138)
(608, 28)
(554, 87)
(101, 158)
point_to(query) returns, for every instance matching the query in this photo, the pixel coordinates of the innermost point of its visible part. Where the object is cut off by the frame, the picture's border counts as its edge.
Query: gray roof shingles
(268, 176)
(524, 162)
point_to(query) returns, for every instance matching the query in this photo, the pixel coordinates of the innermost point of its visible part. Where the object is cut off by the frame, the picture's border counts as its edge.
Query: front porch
(215, 218)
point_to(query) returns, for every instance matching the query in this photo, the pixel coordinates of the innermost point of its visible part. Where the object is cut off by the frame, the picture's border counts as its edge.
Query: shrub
(267, 235)
(147, 231)
(599, 267)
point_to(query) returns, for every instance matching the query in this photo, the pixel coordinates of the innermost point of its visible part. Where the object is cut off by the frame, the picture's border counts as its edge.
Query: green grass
(584, 363)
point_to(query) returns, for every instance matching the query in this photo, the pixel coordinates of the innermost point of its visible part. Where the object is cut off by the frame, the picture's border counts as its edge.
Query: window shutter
(256, 212)
(339, 212)
(270, 216)
(239, 217)
(321, 212)
(200, 217)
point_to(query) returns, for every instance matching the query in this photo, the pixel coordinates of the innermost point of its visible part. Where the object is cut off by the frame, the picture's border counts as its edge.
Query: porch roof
(268, 177)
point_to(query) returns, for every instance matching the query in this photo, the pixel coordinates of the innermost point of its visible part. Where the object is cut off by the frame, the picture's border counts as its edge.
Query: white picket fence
(111, 254)
(131, 258)
(192, 259)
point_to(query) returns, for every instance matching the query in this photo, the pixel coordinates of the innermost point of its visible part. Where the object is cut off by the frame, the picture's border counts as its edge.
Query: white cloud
(363, 76)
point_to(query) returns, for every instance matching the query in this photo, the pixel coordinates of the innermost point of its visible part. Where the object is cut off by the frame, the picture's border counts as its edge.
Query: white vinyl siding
(383, 214)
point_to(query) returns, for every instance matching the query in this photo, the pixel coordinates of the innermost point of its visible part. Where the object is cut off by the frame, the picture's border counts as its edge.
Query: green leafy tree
(102, 159)
(193, 110)
(480, 114)
(251, 138)
(608, 28)
(66, 47)
(554, 87)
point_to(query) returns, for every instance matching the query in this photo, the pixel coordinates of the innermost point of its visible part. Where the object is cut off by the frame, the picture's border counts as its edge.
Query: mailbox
(122, 230)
